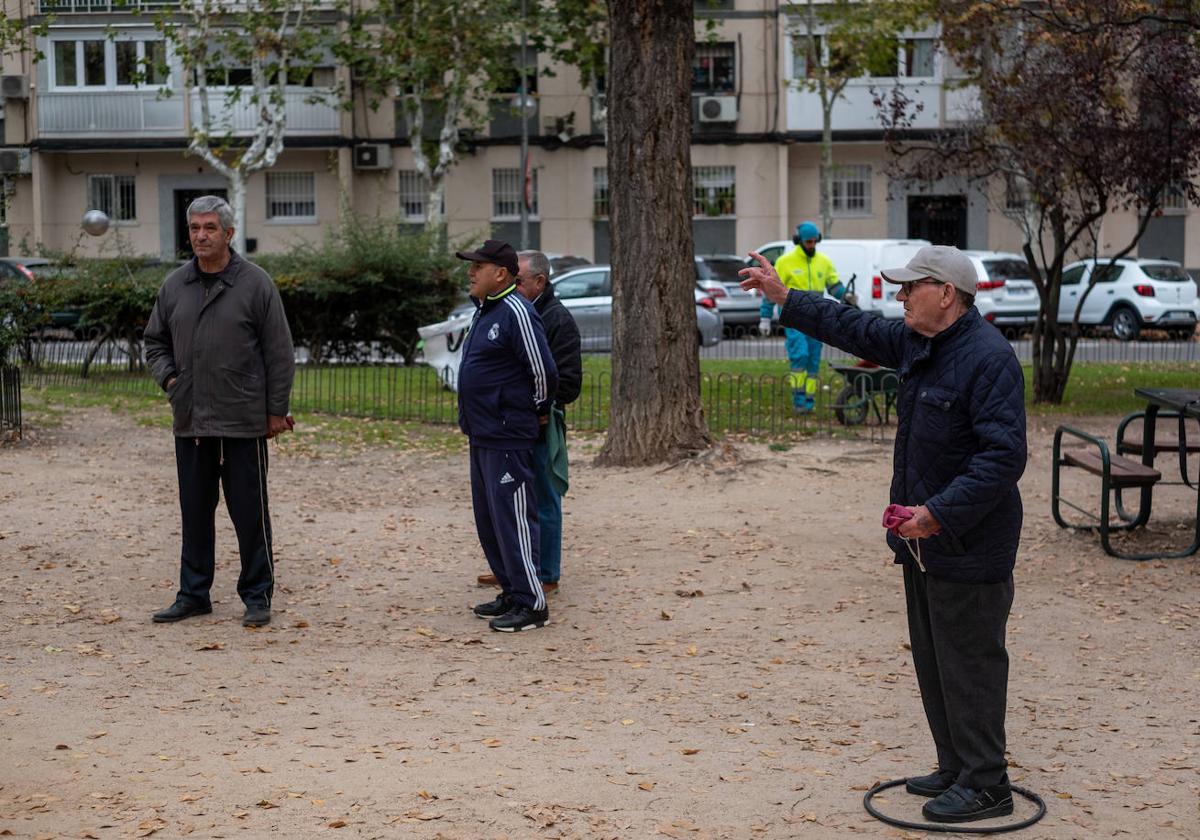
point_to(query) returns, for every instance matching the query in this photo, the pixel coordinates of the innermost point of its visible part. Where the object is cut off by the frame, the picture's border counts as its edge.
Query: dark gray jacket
(960, 432)
(231, 355)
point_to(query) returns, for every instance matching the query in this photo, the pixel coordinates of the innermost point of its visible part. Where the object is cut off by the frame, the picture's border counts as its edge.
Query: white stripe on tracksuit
(531, 349)
(262, 505)
(521, 506)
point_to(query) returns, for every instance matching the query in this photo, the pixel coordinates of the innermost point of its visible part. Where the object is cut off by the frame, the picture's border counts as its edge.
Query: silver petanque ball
(95, 222)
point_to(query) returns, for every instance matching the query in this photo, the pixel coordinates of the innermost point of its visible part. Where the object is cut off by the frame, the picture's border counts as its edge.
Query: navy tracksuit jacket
(506, 379)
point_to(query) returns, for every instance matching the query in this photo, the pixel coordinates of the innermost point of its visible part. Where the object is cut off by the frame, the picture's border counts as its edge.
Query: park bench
(1116, 472)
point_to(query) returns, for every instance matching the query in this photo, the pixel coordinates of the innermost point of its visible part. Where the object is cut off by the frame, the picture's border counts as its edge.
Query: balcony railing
(303, 115)
(125, 113)
(146, 114)
(68, 7)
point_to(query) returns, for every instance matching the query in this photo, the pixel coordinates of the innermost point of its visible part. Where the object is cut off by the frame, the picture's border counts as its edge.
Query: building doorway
(183, 245)
(942, 219)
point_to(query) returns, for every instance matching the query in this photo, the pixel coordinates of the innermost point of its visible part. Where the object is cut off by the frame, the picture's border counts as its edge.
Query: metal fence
(10, 402)
(753, 398)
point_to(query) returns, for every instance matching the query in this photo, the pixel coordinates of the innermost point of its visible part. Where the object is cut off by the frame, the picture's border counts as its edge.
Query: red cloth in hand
(894, 516)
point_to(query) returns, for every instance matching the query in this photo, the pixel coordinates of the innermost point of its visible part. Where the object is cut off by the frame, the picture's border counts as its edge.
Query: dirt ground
(727, 657)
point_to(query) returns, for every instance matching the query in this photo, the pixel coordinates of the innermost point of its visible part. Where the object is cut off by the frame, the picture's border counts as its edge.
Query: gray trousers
(957, 636)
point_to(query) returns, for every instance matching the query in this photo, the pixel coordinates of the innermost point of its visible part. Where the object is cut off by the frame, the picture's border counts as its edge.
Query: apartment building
(79, 133)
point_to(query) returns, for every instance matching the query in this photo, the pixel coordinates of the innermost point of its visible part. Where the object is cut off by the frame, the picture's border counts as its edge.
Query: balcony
(855, 109)
(143, 114)
(304, 116)
(109, 113)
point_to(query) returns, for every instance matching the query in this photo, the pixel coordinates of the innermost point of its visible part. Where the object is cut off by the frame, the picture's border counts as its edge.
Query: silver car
(717, 276)
(587, 294)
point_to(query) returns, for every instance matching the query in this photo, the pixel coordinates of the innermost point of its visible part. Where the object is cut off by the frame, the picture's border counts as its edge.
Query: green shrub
(368, 282)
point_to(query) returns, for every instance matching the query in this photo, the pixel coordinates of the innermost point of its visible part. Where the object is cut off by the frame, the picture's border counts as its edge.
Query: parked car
(565, 262)
(1129, 296)
(859, 263)
(717, 276)
(1007, 295)
(587, 293)
(18, 268)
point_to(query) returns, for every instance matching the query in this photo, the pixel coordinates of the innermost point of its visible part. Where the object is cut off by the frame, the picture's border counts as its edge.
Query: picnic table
(1120, 473)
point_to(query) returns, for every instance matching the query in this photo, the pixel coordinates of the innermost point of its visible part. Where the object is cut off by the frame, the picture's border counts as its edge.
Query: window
(600, 192)
(918, 57)
(291, 195)
(6, 188)
(414, 196)
(1016, 192)
(114, 195)
(510, 82)
(583, 285)
(507, 193)
(1175, 199)
(713, 69)
(107, 64)
(852, 190)
(1072, 276)
(802, 68)
(1106, 273)
(713, 191)
(141, 62)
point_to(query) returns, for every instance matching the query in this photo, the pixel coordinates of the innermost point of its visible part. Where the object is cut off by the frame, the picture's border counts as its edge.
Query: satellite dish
(95, 222)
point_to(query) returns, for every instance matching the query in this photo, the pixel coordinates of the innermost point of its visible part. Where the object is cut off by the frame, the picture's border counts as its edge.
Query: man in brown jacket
(218, 343)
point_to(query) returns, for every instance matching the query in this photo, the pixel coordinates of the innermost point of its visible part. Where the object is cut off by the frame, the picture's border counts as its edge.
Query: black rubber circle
(953, 828)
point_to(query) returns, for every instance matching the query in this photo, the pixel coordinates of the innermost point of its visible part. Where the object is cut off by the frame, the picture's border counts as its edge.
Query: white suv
(1129, 296)
(1006, 295)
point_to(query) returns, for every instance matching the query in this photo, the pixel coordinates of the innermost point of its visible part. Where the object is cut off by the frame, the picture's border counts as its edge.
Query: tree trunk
(237, 202)
(826, 167)
(656, 410)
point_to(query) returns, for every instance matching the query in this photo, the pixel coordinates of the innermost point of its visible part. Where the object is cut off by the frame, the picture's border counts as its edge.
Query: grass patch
(349, 408)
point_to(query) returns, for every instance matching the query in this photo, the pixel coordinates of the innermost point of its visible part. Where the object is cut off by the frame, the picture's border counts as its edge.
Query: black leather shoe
(502, 604)
(964, 804)
(935, 784)
(520, 618)
(179, 611)
(256, 616)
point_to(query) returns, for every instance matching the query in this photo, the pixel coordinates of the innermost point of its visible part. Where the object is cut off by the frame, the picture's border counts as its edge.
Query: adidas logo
(507, 479)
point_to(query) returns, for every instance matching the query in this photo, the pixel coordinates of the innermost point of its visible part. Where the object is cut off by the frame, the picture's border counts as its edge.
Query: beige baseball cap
(937, 262)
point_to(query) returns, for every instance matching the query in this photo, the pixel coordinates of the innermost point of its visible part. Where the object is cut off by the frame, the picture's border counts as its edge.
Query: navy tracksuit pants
(238, 466)
(506, 519)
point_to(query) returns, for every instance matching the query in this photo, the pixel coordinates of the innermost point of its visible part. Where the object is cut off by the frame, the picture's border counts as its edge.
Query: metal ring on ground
(953, 828)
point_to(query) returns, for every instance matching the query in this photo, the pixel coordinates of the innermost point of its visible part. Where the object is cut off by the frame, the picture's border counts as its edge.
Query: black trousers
(957, 635)
(238, 466)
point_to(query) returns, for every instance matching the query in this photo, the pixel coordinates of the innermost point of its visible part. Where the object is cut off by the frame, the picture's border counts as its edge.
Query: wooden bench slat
(1124, 472)
(1162, 444)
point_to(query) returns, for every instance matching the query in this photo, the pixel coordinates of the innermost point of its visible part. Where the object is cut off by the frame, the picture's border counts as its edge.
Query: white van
(862, 260)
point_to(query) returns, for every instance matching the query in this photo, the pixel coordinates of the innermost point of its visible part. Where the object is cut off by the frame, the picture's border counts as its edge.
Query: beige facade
(755, 157)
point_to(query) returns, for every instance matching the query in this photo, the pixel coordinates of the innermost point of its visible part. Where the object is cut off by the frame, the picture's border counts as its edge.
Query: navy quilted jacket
(960, 438)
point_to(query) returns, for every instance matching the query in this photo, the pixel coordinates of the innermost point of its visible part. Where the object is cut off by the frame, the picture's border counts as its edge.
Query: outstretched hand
(764, 278)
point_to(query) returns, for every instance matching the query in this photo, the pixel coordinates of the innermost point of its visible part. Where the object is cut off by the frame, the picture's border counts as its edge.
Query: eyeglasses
(908, 287)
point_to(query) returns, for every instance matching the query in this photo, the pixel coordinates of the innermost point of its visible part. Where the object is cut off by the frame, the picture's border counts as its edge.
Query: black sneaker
(935, 784)
(256, 616)
(502, 604)
(964, 804)
(520, 618)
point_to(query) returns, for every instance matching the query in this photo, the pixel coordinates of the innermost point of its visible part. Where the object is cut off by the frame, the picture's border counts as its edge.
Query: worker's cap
(493, 251)
(943, 263)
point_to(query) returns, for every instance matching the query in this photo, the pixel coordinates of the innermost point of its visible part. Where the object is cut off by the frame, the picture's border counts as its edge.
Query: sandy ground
(727, 658)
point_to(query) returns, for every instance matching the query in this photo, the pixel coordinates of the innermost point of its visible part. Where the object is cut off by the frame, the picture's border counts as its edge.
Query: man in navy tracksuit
(506, 385)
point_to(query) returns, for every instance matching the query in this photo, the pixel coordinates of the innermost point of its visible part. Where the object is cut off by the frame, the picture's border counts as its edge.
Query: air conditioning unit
(372, 156)
(14, 87)
(15, 161)
(718, 109)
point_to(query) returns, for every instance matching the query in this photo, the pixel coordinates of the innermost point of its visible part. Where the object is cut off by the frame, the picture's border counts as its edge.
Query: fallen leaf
(646, 785)
(492, 742)
(212, 646)
(338, 824)
(689, 750)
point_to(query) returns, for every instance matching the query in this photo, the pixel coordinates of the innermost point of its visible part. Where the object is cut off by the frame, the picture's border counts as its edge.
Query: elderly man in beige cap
(956, 513)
